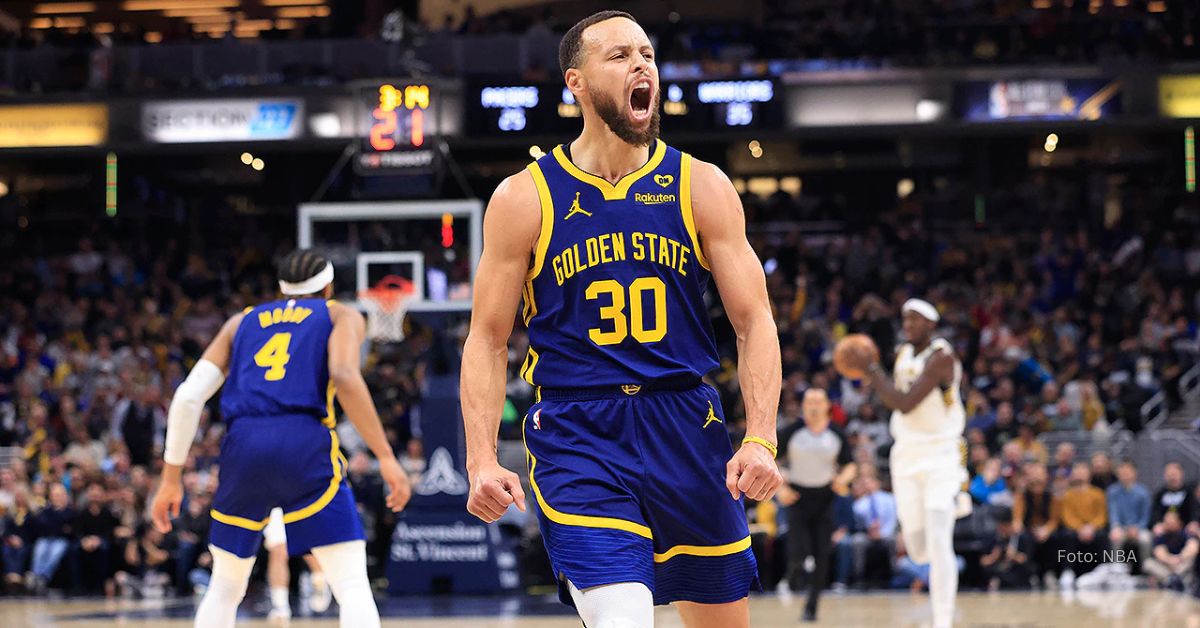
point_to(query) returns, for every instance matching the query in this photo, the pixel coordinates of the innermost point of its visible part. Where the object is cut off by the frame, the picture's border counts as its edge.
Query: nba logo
(537, 419)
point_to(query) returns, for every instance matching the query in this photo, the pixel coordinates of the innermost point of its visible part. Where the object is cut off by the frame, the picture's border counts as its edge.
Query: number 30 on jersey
(635, 323)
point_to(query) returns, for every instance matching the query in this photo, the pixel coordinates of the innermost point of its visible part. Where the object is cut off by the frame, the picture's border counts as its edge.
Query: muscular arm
(938, 370)
(511, 227)
(184, 418)
(721, 227)
(217, 353)
(345, 354)
(345, 351)
(743, 288)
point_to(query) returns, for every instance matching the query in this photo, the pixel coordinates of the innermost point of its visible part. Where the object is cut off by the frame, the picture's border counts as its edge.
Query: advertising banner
(1038, 99)
(30, 126)
(187, 121)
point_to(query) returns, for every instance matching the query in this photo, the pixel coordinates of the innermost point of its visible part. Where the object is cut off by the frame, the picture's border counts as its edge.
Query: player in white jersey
(926, 460)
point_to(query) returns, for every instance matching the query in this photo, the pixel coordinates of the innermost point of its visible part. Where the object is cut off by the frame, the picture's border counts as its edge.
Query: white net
(386, 305)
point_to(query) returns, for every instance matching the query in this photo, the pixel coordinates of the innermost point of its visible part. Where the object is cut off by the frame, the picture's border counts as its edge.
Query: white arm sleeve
(183, 419)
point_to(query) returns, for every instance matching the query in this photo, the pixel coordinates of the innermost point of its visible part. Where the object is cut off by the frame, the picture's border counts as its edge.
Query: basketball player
(612, 239)
(926, 460)
(282, 364)
(279, 576)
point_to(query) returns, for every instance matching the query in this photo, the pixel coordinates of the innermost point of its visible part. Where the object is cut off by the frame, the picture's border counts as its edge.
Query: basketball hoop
(386, 304)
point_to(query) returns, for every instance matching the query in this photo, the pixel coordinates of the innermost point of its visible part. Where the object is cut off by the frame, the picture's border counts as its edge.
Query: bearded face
(631, 126)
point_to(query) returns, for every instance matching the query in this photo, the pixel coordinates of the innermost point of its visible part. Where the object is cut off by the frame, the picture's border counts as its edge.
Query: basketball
(841, 354)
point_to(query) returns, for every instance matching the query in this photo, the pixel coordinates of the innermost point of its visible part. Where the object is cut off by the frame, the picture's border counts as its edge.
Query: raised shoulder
(714, 198)
(515, 208)
(340, 313)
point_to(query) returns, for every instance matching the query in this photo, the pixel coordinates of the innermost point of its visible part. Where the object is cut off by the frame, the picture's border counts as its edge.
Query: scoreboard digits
(399, 128)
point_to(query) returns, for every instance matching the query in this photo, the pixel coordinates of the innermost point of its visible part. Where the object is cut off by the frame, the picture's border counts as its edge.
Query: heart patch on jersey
(664, 179)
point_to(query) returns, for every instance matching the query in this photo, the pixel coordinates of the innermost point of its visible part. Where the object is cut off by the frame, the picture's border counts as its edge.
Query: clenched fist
(752, 471)
(493, 489)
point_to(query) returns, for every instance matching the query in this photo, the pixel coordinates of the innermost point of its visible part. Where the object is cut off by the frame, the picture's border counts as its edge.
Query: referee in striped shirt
(816, 463)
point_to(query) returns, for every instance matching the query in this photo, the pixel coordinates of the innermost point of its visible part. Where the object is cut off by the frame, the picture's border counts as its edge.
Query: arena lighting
(194, 12)
(326, 124)
(103, 28)
(536, 152)
(110, 185)
(210, 21)
(285, 25)
(1189, 159)
(56, 8)
(290, 3)
(754, 145)
(40, 23)
(904, 188)
(167, 5)
(247, 158)
(153, 37)
(3, 189)
(1156, 6)
(258, 163)
(302, 12)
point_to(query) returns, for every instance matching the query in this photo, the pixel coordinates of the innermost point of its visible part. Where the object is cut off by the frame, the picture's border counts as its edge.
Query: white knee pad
(622, 605)
(345, 568)
(230, 575)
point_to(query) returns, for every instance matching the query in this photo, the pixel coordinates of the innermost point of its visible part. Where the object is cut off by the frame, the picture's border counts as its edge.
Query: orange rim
(390, 293)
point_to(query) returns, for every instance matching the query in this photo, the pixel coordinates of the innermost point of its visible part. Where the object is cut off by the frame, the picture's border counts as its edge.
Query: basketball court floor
(1089, 609)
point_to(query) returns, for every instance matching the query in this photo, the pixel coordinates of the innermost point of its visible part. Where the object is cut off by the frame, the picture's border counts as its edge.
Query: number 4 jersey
(615, 294)
(280, 362)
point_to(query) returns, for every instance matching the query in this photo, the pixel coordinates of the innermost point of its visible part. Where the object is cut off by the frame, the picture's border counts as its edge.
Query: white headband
(312, 285)
(924, 308)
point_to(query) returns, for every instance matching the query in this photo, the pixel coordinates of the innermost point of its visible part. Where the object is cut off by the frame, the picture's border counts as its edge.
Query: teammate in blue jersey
(282, 364)
(610, 241)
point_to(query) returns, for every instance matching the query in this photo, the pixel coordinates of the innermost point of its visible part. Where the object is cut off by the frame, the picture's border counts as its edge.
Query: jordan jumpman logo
(576, 209)
(712, 416)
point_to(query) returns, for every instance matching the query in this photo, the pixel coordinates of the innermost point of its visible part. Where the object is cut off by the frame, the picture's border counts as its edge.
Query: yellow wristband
(764, 442)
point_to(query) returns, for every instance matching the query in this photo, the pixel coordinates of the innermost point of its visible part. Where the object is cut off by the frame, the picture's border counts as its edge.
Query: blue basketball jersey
(615, 294)
(279, 365)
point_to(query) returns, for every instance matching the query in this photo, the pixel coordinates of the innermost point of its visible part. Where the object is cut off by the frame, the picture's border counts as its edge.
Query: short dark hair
(570, 49)
(301, 265)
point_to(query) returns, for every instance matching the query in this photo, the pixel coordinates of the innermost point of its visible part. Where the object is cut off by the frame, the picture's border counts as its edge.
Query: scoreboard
(400, 121)
(515, 109)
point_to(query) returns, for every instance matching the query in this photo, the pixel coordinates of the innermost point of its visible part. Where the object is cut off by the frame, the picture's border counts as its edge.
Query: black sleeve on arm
(844, 455)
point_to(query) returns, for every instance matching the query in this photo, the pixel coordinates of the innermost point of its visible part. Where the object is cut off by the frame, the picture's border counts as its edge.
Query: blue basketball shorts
(631, 488)
(294, 463)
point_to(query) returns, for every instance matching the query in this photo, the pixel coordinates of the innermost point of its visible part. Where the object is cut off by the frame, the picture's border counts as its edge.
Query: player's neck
(599, 151)
(921, 346)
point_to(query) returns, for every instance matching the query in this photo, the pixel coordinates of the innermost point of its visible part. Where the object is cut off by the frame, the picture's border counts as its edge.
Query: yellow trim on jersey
(582, 521)
(335, 456)
(621, 189)
(338, 463)
(531, 360)
(330, 420)
(241, 522)
(248, 309)
(703, 550)
(685, 206)
(547, 204)
(530, 309)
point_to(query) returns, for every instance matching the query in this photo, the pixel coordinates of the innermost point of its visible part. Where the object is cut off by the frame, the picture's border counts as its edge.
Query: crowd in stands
(1069, 325)
(825, 34)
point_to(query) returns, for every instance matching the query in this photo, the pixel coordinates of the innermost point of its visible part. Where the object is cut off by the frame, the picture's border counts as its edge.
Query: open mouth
(640, 99)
